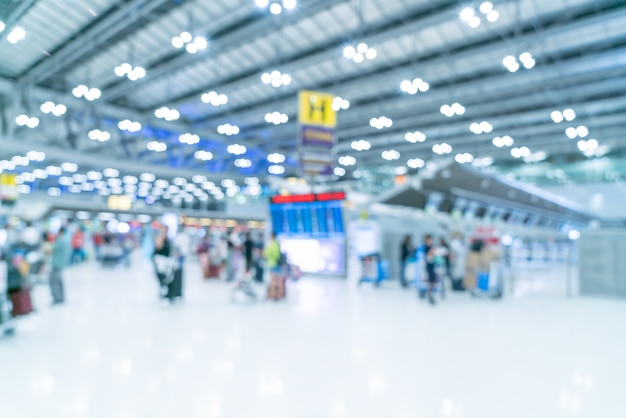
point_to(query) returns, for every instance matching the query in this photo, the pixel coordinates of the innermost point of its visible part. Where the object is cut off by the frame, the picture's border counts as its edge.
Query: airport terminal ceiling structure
(497, 85)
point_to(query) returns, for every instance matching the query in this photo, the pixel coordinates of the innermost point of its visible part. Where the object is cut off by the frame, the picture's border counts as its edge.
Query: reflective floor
(331, 350)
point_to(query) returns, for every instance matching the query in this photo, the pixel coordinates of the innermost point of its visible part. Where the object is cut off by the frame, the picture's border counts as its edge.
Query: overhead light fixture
(191, 44)
(167, 113)
(390, 155)
(347, 160)
(189, 139)
(228, 129)
(98, 135)
(16, 35)
(443, 148)
(521, 152)
(579, 132)
(505, 141)
(69, 167)
(276, 169)
(361, 145)
(416, 163)
(415, 86)
(482, 127)
(469, 15)
(276, 7)
(359, 53)
(464, 158)
(132, 73)
(28, 121)
(156, 146)
(243, 163)
(276, 79)
(214, 98)
(276, 118)
(511, 63)
(55, 109)
(2, 26)
(339, 171)
(236, 149)
(340, 104)
(276, 158)
(414, 137)
(89, 94)
(129, 126)
(453, 109)
(381, 122)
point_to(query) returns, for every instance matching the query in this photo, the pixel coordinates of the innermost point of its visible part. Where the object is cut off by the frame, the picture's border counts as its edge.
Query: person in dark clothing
(445, 251)
(248, 251)
(429, 254)
(162, 248)
(406, 249)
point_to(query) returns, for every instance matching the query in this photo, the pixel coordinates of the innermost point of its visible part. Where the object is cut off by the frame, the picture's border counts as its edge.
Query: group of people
(449, 257)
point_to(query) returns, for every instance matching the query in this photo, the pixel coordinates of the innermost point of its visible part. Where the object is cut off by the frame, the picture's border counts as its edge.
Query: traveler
(273, 257)
(248, 250)
(406, 249)
(78, 243)
(429, 251)
(444, 250)
(61, 253)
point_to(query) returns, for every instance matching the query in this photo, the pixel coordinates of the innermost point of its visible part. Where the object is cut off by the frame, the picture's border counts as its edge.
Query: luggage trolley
(374, 270)
(489, 283)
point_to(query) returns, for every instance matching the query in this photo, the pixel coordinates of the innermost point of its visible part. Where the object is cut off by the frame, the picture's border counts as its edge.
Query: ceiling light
(16, 35)
(290, 4)
(203, 155)
(482, 127)
(361, 145)
(98, 135)
(167, 113)
(2, 26)
(69, 167)
(569, 115)
(340, 104)
(360, 53)
(276, 118)
(89, 94)
(131, 73)
(464, 158)
(414, 137)
(55, 109)
(522, 152)
(236, 149)
(415, 86)
(511, 63)
(381, 122)
(451, 110)
(474, 22)
(25, 120)
(441, 149)
(191, 44)
(156, 146)
(228, 129)
(416, 163)
(189, 139)
(276, 169)
(129, 126)
(390, 155)
(276, 9)
(243, 163)
(482, 162)
(347, 160)
(557, 117)
(276, 158)
(466, 14)
(582, 131)
(486, 7)
(214, 98)
(276, 78)
(493, 16)
(571, 132)
(338, 171)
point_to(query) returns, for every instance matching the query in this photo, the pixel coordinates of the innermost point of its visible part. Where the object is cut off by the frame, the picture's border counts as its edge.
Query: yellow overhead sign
(316, 109)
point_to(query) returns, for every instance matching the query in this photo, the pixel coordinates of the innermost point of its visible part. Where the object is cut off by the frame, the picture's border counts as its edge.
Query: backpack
(282, 260)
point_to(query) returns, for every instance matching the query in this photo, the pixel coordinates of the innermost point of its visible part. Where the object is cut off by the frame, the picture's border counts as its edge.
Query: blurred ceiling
(562, 55)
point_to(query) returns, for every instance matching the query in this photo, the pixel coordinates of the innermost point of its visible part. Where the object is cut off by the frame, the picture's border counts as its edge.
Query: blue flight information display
(311, 230)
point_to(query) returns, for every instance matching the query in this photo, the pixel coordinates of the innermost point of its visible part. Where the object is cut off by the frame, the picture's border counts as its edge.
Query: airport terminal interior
(312, 208)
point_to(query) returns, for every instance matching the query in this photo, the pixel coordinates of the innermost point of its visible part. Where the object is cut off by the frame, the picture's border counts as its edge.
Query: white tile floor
(332, 350)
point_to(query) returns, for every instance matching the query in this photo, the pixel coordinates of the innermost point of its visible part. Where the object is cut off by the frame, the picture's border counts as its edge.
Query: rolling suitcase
(21, 302)
(175, 287)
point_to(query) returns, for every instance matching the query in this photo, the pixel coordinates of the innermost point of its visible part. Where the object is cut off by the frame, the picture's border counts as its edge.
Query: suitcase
(21, 302)
(214, 271)
(175, 287)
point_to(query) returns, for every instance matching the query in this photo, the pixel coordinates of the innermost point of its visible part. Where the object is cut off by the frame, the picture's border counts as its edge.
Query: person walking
(406, 249)
(431, 276)
(248, 252)
(61, 254)
(78, 242)
(273, 256)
